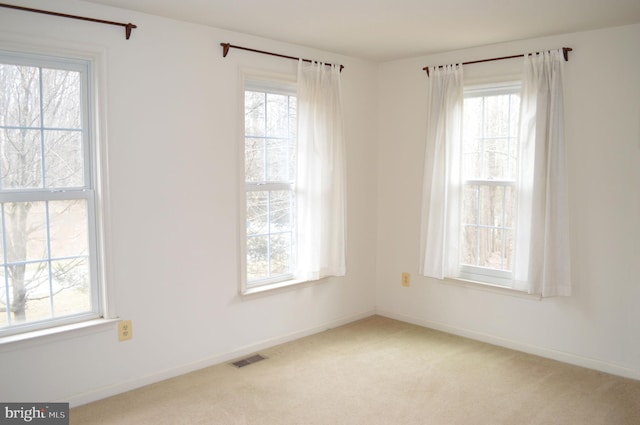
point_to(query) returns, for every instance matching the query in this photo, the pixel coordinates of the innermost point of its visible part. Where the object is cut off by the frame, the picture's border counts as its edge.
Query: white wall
(599, 325)
(172, 121)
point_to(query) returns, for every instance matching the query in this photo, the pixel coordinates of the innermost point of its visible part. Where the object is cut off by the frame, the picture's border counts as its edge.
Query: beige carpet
(379, 371)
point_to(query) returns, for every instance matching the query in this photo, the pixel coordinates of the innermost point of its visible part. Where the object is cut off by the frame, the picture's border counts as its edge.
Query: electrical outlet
(406, 279)
(125, 330)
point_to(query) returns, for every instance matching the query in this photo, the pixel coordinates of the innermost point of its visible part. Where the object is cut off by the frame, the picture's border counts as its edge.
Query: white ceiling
(383, 30)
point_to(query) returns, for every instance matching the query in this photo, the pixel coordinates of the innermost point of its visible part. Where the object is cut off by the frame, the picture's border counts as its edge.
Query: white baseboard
(121, 387)
(519, 346)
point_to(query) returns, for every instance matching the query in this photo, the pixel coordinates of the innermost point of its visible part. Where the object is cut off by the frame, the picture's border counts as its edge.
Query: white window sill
(488, 287)
(277, 287)
(58, 333)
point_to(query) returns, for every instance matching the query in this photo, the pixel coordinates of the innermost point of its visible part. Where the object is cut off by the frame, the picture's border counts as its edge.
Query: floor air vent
(248, 360)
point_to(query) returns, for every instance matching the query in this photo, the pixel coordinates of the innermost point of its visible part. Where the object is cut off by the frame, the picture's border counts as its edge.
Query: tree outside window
(46, 194)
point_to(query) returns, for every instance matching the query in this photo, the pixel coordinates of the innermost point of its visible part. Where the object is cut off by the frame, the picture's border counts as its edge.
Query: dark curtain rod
(565, 53)
(227, 46)
(127, 27)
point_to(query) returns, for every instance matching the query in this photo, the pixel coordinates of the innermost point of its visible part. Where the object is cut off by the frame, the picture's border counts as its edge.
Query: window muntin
(48, 263)
(489, 173)
(269, 164)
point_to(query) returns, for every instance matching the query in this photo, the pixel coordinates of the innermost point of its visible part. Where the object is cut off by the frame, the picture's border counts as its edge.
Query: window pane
(277, 115)
(508, 249)
(514, 100)
(64, 159)
(490, 135)
(491, 205)
(254, 160)
(42, 290)
(470, 204)
(483, 244)
(512, 159)
(257, 213)
(19, 96)
(279, 154)
(61, 101)
(496, 159)
(293, 118)
(28, 286)
(21, 159)
(68, 228)
(509, 207)
(31, 284)
(490, 248)
(25, 226)
(257, 257)
(497, 115)
(473, 118)
(71, 286)
(469, 244)
(254, 114)
(280, 254)
(281, 209)
(471, 146)
(472, 165)
(269, 233)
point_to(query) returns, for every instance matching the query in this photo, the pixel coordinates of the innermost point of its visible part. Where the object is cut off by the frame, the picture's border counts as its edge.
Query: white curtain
(439, 239)
(321, 179)
(541, 264)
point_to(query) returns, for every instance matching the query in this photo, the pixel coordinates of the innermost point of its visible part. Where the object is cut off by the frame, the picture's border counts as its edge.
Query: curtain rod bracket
(128, 28)
(225, 49)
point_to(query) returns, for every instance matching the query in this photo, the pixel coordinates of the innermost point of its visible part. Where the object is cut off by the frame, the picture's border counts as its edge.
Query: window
(495, 204)
(489, 165)
(48, 263)
(270, 171)
(294, 179)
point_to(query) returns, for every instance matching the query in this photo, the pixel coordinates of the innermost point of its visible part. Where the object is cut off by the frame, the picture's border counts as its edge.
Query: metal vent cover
(249, 360)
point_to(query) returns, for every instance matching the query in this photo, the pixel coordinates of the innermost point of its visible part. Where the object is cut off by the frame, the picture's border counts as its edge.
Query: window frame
(261, 81)
(89, 65)
(475, 273)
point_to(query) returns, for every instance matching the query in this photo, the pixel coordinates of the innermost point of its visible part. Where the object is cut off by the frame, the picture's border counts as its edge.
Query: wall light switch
(406, 279)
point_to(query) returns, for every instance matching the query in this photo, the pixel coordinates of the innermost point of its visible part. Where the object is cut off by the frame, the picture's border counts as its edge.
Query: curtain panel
(321, 174)
(439, 228)
(542, 258)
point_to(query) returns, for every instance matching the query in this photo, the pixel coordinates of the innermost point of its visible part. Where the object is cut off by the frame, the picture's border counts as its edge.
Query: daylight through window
(270, 168)
(489, 168)
(47, 237)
